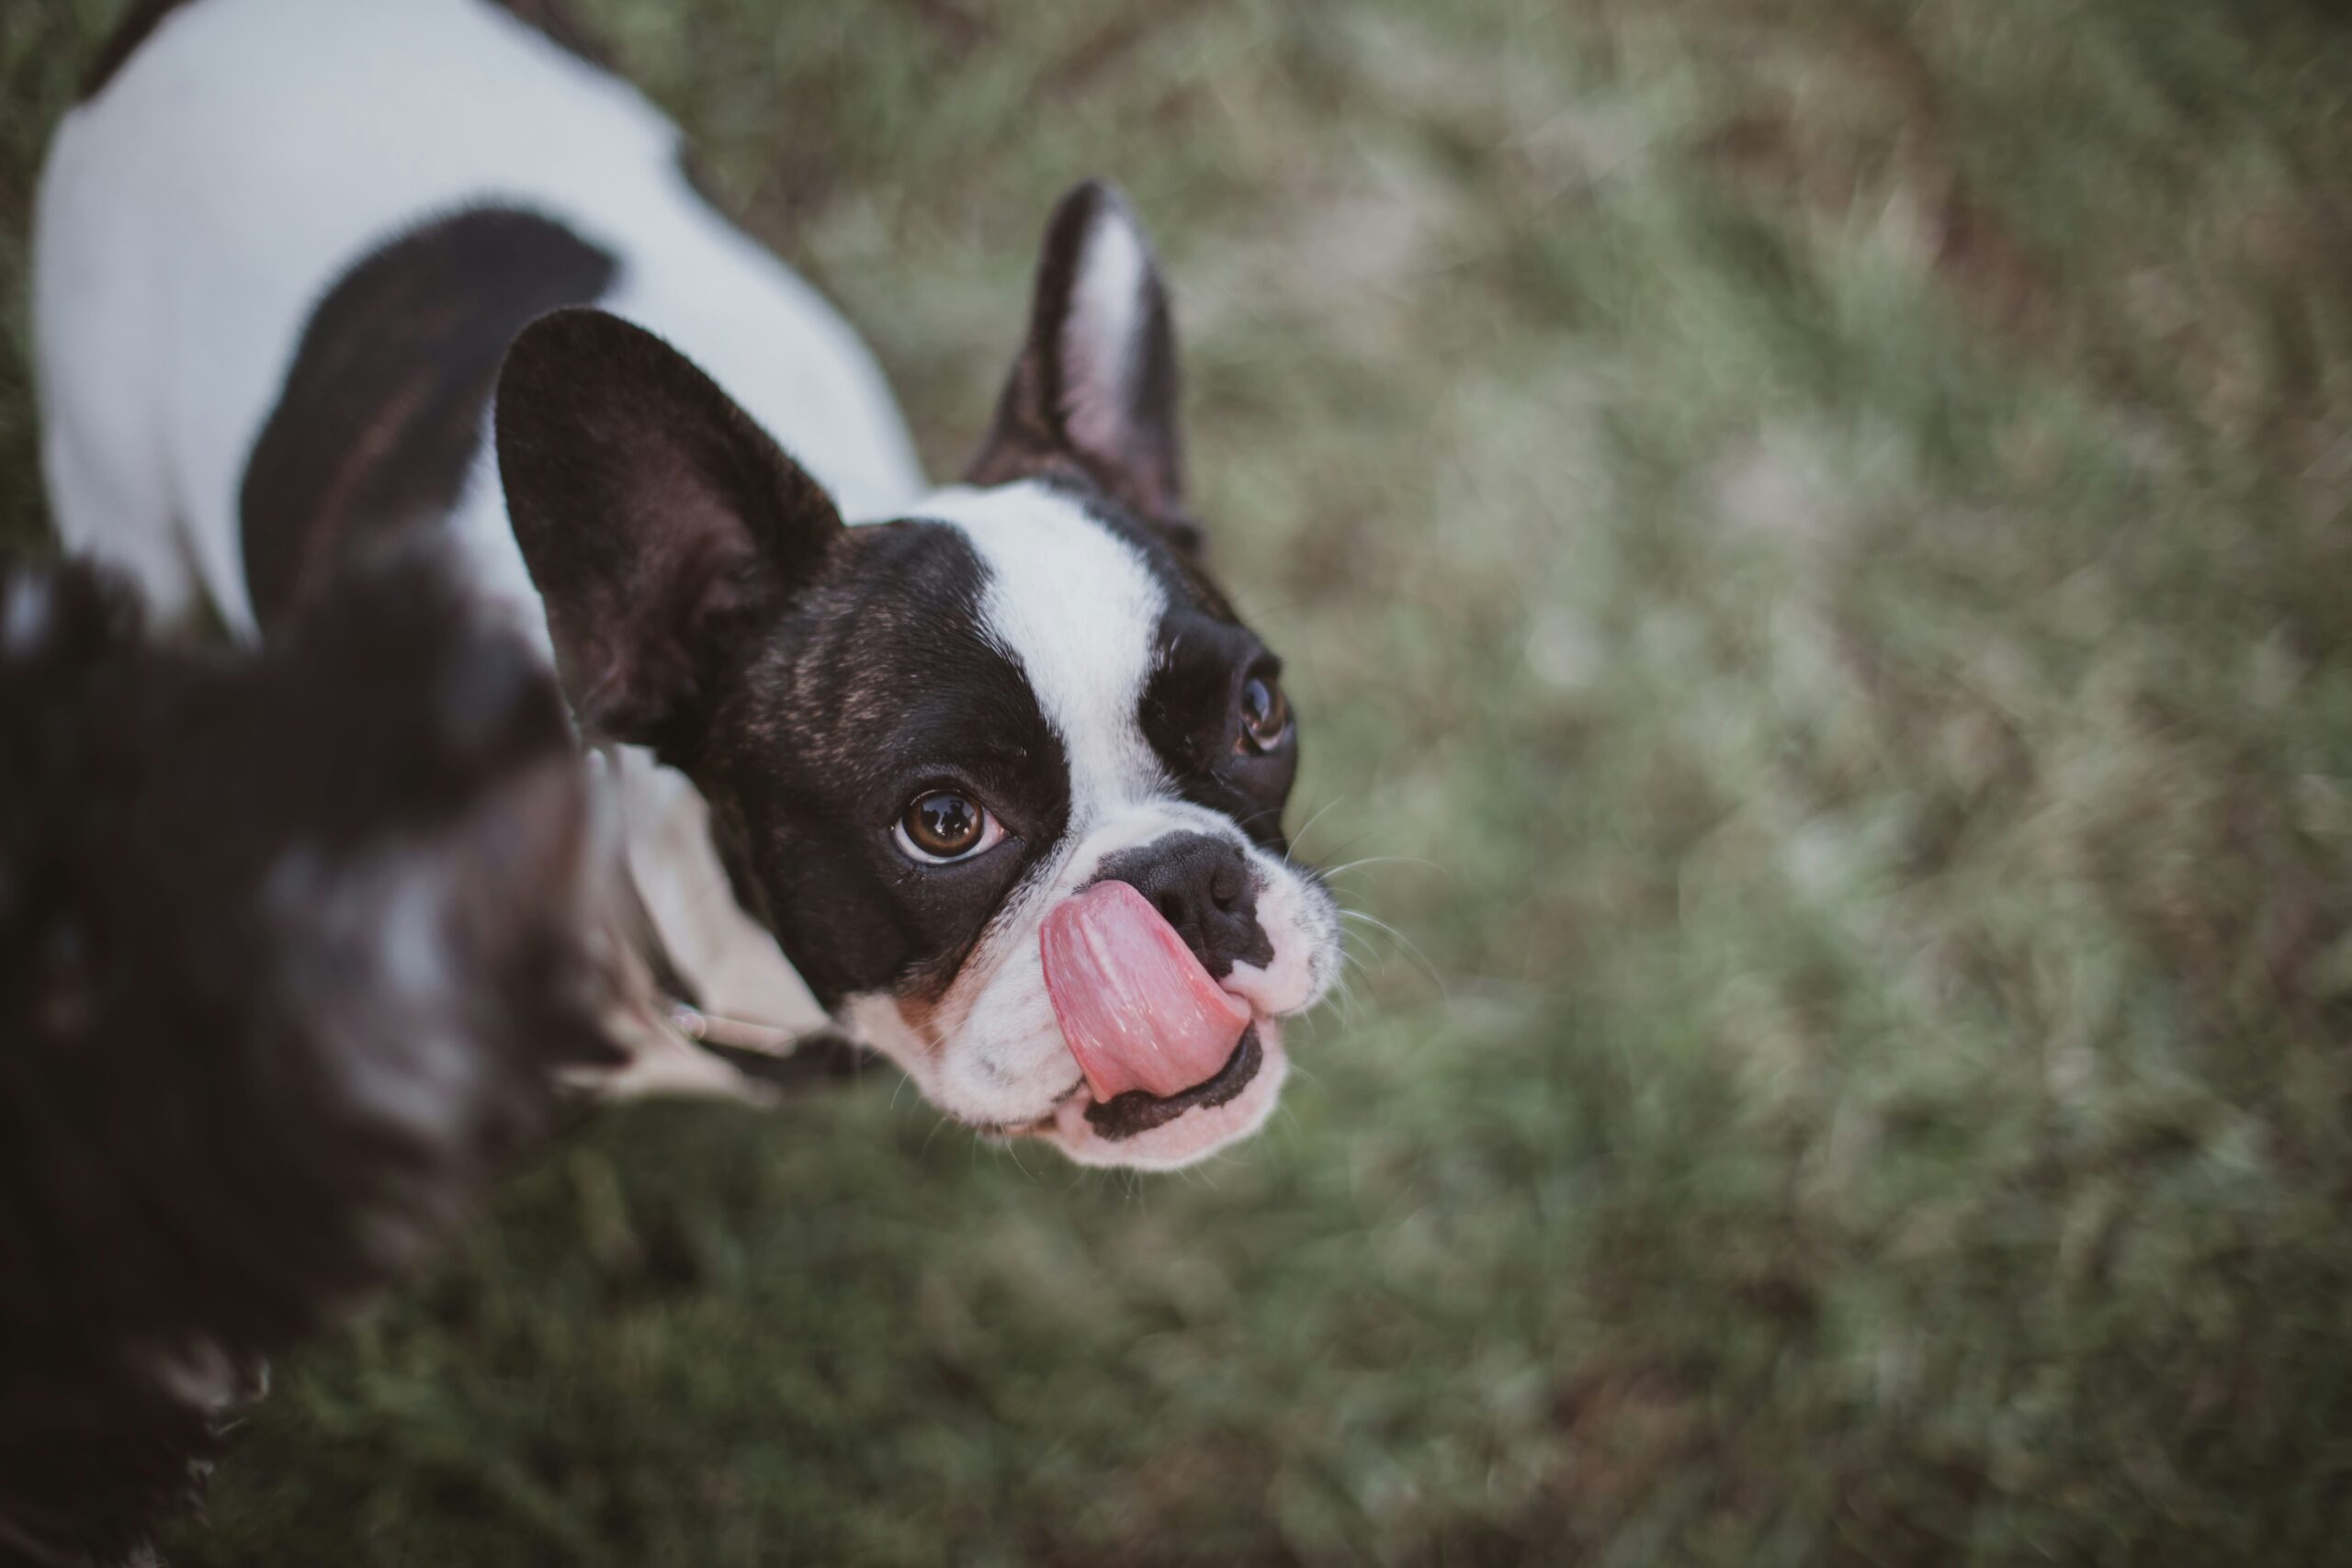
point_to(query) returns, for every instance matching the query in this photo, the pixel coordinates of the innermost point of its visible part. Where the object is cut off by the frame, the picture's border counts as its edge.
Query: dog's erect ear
(1095, 385)
(660, 525)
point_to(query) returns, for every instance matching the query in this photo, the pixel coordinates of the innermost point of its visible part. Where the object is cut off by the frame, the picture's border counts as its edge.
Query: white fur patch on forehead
(1075, 606)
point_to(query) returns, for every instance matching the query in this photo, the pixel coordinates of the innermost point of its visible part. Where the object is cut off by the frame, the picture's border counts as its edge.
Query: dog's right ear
(661, 525)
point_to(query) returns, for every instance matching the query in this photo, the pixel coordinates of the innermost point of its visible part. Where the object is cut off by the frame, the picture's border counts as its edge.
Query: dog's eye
(946, 826)
(1265, 716)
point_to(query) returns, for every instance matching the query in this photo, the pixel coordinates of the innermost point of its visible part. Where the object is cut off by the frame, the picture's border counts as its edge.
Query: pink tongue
(1136, 1006)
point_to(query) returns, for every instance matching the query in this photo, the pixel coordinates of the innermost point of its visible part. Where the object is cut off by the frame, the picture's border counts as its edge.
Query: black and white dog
(293, 947)
(283, 247)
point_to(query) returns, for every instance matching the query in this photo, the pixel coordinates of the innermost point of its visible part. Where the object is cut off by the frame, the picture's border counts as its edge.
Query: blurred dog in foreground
(1002, 773)
(292, 946)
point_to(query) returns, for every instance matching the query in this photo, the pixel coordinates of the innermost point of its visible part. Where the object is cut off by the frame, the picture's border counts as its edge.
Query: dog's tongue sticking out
(1136, 1006)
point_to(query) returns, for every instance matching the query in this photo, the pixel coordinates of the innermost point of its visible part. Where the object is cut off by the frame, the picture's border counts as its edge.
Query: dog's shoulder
(379, 422)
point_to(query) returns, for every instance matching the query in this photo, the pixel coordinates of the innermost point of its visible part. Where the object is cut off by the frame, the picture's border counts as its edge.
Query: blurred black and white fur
(292, 947)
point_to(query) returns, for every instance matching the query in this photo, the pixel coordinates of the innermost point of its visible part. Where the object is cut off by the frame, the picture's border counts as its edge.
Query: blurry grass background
(1819, 530)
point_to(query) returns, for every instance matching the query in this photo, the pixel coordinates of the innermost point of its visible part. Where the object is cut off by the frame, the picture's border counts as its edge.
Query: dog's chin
(1141, 1132)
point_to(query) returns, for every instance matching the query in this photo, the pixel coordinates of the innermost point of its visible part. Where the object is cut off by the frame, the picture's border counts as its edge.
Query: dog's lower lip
(1135, 1111)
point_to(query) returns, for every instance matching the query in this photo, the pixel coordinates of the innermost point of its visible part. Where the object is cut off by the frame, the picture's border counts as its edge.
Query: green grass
(1820, 532)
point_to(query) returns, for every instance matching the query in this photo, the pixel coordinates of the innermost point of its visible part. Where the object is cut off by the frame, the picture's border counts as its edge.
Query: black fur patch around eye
(1192, 718)
(878, 679)
(380, 418)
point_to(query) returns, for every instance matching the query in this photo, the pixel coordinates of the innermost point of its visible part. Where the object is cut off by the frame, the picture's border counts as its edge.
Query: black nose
(1204, 887)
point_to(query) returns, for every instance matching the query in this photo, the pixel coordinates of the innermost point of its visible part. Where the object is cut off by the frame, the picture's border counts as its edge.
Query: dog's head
(291, 942)
(291, 946)
(928, 742)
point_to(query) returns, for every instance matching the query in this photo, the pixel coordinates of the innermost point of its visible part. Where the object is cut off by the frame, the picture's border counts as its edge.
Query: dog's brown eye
(1265, 716)
(945, 825)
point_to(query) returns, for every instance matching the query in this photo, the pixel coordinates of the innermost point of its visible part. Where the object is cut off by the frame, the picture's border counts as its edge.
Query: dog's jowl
(906, 764)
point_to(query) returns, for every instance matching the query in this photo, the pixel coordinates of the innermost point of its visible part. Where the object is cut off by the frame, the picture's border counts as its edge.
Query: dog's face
(920, 739)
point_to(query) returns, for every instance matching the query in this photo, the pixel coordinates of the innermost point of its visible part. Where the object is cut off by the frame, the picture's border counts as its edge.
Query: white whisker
(1405, 942)
(1320, 812)
(1328, 872)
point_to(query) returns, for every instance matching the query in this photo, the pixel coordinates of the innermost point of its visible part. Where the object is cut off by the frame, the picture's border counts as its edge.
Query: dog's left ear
(1095, 385)
(661, 525)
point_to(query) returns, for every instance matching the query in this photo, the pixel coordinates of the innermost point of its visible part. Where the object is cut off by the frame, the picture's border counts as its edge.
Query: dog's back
(242, 158)
(280, 251)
